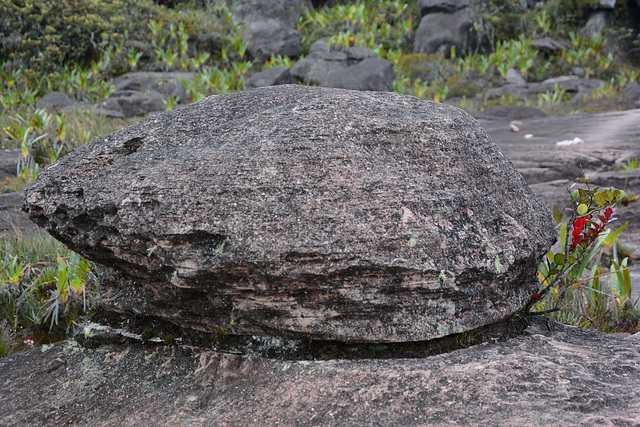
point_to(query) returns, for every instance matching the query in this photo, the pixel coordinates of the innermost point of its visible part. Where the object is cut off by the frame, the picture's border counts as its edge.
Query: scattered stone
(166, 84)
(514, 77)
(129, 103)
(9, 160)
(357, 68)
(572, 84)
(55, 101)
(566, 142)
(517, 91)
(369, 74)
(549, 45)
(278, 75)
(303, 212)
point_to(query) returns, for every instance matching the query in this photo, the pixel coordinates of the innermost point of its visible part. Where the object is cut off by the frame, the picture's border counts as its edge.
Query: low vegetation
(76, 47)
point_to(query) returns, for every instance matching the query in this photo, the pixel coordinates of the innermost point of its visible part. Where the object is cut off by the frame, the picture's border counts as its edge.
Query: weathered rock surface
(445, 24)
(609, 139)
(553, 375)
(369, 74)
(303, 212)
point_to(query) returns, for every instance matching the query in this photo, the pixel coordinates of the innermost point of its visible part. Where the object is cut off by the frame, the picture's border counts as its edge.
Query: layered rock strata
(303, 212)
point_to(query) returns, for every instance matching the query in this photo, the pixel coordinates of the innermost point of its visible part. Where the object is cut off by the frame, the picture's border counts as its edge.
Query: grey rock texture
(9, 160)
(357, 68)
(552, 375)
(445, 24)
(514, 77)
(129, 103)
(55, 101)
(549, 45)
(303, 212)
(135, 94)
(571, 84)
(12, 220)
(446, 6)
(609, 139)
(369, 74)
(269, 26)
(278, 75)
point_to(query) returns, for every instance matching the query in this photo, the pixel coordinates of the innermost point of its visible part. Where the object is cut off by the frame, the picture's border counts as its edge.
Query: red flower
(577, 233)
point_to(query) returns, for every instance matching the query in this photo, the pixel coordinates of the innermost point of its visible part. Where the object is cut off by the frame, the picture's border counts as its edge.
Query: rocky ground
(552, 375)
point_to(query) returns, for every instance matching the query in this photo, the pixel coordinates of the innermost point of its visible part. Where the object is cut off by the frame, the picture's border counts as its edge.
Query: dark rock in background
(129, 103)
(439, 32)
(55, 101)
(278, 75)
(548, 45)
(269, 26)
(165, 84)
(445, 24)
(303, 212)
(9, 160)
(313, 69)
(369, 74)
(12, 220)
(356, 68)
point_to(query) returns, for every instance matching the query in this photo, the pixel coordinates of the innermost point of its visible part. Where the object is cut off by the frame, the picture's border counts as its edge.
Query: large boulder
(303, 212)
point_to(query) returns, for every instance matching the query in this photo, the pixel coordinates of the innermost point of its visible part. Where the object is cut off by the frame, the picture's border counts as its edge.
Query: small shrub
(47, 35)
(44, 289)
(565, 293)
